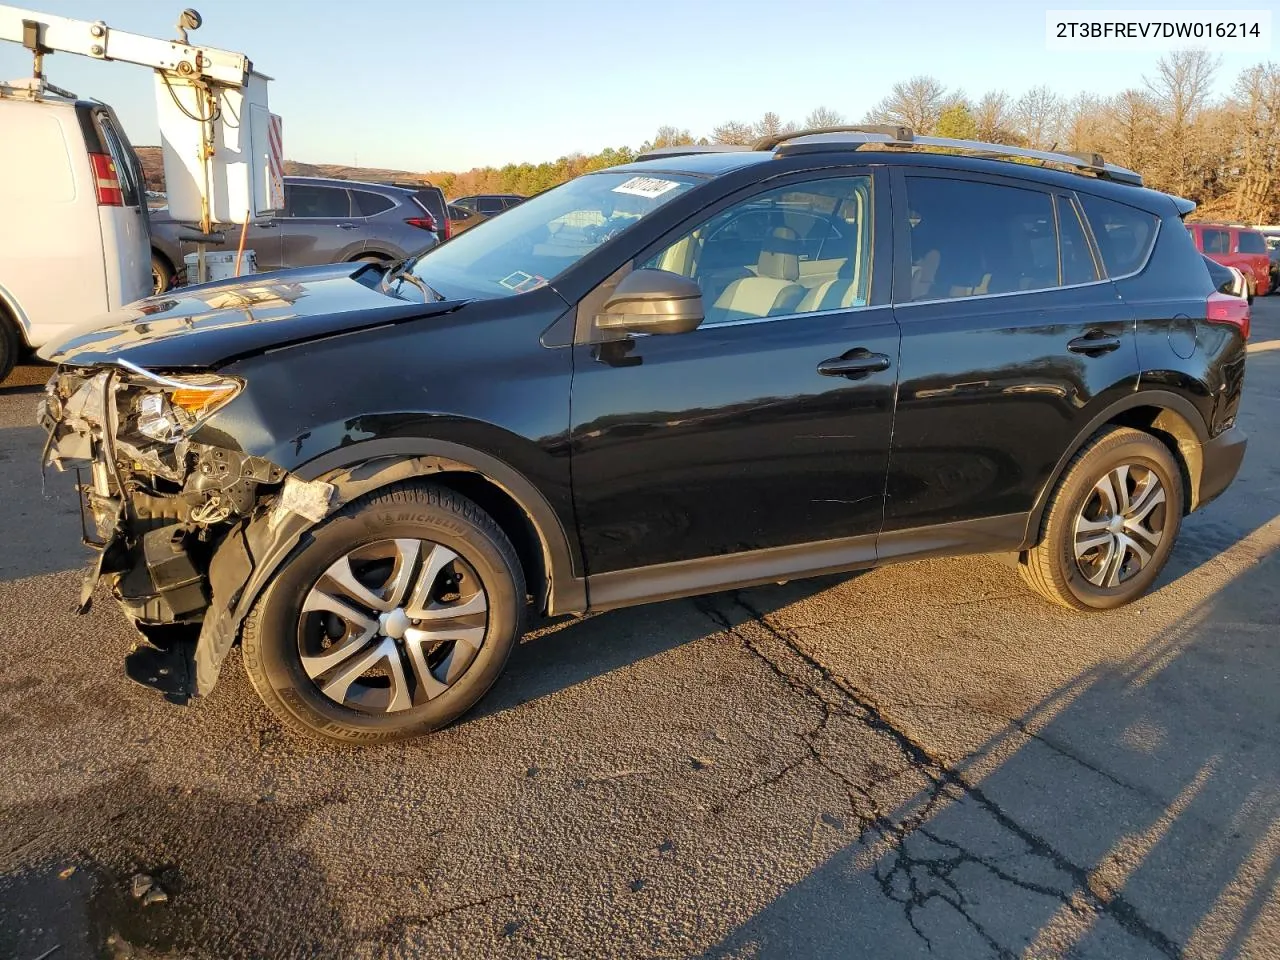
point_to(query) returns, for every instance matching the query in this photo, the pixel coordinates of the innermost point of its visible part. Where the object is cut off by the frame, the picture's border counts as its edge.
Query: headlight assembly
(167, 408)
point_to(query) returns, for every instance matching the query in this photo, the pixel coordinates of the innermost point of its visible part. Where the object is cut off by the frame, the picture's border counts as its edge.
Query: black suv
(488, 204)
(706, 370)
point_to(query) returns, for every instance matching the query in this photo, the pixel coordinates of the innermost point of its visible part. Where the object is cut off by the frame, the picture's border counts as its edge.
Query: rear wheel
(161, 274)
(395, 618)
(1110, 523)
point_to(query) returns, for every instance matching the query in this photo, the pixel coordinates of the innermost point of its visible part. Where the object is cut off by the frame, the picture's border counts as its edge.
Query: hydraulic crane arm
(43, 33)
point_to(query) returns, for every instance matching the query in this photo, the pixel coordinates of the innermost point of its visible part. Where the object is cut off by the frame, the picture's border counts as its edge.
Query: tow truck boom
(223, 159)
(44, 33)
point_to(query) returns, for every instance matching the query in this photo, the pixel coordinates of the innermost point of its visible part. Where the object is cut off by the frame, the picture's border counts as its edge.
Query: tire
(284, 642)
(1078, 505)
(371, 258)
(161, 274)
(10, 346)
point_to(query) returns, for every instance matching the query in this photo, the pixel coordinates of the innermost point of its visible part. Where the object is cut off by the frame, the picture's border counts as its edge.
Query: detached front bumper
(159, 514)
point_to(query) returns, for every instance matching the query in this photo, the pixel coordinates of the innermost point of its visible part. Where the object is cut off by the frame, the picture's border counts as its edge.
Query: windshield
(537, 240)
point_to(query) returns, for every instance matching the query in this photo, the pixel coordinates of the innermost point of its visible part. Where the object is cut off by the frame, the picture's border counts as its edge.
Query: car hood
(214, 323)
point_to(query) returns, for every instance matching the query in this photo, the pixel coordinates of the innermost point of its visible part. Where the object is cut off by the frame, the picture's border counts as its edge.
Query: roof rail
(892, 131)
(691, 148)
(837, 138)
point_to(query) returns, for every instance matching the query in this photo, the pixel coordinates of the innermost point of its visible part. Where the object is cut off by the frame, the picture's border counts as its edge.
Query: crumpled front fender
(256, 548)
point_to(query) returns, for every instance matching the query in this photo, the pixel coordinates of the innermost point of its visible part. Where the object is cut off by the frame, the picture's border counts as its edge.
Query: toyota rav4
(704, 370)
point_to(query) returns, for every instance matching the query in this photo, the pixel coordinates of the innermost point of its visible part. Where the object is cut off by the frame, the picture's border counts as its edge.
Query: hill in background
(153, 170)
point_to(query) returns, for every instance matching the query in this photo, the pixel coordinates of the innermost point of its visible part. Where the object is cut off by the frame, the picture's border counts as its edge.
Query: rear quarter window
(368, 204)
(1125, 234)
(1251, 242)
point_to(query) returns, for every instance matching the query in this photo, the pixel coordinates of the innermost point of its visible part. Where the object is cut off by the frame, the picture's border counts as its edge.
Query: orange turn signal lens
(197, 401)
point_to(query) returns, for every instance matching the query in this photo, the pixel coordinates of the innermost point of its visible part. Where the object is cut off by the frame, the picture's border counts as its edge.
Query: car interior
(790, 251)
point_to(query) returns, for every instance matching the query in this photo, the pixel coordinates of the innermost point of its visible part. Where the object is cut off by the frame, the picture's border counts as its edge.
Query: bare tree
(1132, 130)
(1181, 89)
(823, 117)
(1039, 114)
(1083, 124)
(734, 132)
(770, 125)
(916, 103)
(993, 116)
(1255, 101)
(668, 136)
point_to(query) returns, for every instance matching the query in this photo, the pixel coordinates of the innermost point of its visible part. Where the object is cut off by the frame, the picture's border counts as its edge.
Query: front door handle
(854, 364)
(347, 226)
(1094, 344)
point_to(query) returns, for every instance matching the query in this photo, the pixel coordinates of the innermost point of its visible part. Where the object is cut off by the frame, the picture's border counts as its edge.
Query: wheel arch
(247, 559)
(544, 546)
(11, 314)
(1171, 418)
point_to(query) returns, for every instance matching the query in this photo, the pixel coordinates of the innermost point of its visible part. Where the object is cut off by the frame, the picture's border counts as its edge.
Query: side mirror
(652, 301)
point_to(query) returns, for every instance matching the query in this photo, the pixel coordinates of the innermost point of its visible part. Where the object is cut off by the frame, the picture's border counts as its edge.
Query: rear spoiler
(1183, 205)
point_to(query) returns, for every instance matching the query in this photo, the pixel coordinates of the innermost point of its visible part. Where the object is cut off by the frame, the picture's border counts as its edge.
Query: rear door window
(970, 238)
(1251, 242)
(1216, 241)
(369, 204)
(1125, 234)
(315, 202)
(490, 205)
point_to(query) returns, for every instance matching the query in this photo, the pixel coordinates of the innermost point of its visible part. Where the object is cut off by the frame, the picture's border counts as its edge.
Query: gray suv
(324, 221)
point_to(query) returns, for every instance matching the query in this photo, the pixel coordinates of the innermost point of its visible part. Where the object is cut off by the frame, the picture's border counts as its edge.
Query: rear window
(1251, 242)
(1125, 235)
(431, 201)
(370, 204)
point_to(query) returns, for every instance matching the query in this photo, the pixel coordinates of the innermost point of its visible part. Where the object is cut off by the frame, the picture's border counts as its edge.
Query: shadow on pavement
(74, 899)
(1166, 843)
(568, 652)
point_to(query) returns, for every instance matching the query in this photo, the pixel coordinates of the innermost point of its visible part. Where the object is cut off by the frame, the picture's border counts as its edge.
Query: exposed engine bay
(157, 505)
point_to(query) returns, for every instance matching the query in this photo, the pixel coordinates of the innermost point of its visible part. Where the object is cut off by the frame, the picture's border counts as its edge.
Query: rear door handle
(854, 364)
(347, 226)
(1094, 344)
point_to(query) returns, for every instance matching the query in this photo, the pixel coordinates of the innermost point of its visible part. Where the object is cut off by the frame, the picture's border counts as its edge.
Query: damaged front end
(161, 498)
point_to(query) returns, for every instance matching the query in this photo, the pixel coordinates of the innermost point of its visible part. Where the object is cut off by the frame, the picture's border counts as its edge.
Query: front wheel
(1110, 524)
(392, 621)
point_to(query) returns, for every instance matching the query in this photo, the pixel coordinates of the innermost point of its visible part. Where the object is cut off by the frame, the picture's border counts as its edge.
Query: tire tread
(404, 493)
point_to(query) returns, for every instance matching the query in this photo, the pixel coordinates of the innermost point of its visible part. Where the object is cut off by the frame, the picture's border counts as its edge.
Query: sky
(452, 84)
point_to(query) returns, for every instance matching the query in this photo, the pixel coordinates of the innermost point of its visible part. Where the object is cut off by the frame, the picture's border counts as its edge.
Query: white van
(74, 240)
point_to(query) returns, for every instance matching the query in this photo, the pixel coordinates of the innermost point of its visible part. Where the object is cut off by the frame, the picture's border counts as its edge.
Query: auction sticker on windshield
(646, 187)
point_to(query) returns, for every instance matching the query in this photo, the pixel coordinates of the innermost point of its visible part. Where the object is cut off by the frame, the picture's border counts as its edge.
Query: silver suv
(324, 221)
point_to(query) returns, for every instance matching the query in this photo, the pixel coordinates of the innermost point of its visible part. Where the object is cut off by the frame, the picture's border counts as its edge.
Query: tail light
(448, 229)
(1224, 308)
(107, 181)
(424, 222)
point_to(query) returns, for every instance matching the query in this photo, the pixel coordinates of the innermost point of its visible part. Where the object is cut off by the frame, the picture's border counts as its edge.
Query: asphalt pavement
(919, 761)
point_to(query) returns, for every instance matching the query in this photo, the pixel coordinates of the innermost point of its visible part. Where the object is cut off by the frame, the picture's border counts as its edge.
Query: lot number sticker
(646, 187)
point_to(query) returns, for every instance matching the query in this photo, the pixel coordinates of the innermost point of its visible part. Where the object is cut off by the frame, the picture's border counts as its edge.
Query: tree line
(1222, 152)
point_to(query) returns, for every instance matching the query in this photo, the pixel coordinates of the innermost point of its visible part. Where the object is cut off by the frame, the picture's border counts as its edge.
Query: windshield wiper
(402, 271)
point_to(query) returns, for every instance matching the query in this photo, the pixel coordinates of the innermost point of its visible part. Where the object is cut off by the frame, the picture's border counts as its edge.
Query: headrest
(780, 259)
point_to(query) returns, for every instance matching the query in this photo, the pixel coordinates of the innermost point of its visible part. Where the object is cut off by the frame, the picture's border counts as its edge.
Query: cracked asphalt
(918, 761)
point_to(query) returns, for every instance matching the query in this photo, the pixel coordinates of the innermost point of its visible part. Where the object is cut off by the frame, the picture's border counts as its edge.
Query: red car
(1235, 246)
